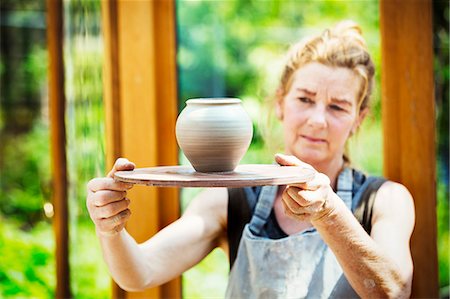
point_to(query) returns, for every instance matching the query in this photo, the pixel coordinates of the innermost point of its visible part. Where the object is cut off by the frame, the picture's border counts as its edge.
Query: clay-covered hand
(310, 201)
(107, 200)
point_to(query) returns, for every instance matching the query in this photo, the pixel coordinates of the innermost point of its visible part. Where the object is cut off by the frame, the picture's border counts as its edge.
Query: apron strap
(263, 208)
(345, 186)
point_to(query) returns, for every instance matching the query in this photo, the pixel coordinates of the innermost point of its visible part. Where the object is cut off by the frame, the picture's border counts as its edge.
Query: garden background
(225, 48)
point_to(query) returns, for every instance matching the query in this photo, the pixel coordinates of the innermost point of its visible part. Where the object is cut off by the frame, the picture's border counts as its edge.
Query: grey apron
(298, 266)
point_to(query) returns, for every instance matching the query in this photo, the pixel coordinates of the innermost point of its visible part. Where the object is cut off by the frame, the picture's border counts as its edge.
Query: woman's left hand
(310, 201)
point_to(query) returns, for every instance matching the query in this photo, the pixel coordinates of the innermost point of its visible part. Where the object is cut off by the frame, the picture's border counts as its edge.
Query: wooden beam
(141, 110)
(58, 144)
(111, 98)
(111, 82)
(409, 124)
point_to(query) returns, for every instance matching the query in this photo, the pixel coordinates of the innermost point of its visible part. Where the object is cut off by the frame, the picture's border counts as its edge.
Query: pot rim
(218, 101)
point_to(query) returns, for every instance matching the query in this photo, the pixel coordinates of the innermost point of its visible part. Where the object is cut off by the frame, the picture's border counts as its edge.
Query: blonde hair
(340, 46)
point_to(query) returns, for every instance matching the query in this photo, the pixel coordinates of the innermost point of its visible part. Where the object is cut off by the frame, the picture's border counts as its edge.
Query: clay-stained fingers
(111, 209)
(115, 223)
(294, 194)
(121, 164)
(308, 197)
(304, 204)
(287, 160)
(317, 182)
(291, 204)
(299, 215)
(97, 184)
(105, 197)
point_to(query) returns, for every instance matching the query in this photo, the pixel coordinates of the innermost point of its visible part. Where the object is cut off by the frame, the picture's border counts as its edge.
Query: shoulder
(393, 224)
(394, 203)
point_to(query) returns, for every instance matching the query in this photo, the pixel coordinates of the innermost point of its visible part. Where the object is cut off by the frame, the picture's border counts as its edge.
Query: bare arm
(377, 266)
(166, 255)
(380, 265)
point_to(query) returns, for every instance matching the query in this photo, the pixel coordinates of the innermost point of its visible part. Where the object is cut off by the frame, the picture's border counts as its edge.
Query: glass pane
(236, 48)
(83, 53)
(27, 243)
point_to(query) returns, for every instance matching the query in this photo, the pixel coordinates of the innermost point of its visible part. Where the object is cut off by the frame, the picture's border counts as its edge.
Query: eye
(337, 108)
(305, 100)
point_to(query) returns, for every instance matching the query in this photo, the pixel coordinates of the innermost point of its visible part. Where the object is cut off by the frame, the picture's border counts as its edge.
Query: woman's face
(319, 113)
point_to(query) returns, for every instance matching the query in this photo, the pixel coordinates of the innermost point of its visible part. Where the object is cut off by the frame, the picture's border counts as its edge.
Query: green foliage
(27, 269)
(35, 69)
(443, 234)
(209, 278)
(366, 148)
(89, 273)
(85, 144)
(25, 178)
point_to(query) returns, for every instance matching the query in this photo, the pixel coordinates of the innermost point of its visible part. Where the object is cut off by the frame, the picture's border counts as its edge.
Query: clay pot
(214, 133)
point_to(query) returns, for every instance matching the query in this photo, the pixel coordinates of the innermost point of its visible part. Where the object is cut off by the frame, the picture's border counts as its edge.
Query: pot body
(214, 134)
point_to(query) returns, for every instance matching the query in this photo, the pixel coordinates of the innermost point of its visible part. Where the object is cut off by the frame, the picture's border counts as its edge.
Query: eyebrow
(342, 101)
(306, 91)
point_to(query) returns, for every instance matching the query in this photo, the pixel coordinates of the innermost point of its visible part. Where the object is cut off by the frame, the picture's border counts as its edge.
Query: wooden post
(58, 144)
(140, 88)
(409, 124)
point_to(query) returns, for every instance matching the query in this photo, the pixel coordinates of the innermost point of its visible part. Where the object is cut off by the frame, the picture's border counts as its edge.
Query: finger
(297, 216)
(296, 196)
(317, 182)
(97, 184)
(305, 186)
(285, 160)
(121, 164)
(118, 219)
(291, 204)
(314, 208)
(112, 209)
(312, 195)
(309, 197)
(105, 197)
(115, 223)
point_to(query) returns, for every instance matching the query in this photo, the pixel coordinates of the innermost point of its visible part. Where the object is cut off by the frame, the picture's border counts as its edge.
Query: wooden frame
(409, 125)
(140, 89)
(58, 145)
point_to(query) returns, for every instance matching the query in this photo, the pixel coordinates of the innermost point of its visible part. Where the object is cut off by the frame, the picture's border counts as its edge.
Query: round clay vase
(214, 133)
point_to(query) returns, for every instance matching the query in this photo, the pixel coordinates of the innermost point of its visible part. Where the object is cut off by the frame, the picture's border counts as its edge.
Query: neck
(331, 169)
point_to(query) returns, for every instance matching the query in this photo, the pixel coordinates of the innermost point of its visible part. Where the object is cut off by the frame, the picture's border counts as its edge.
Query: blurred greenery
(225, 48)
(27, 269)
(26, 184)
(83, 56)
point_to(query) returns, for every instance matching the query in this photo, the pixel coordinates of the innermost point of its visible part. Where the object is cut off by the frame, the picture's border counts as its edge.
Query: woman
(302, 240)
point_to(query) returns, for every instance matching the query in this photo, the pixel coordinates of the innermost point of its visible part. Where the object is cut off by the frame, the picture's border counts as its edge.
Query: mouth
(313, 140)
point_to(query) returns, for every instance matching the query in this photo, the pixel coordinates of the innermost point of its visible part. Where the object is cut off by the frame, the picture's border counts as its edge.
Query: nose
(317, 118)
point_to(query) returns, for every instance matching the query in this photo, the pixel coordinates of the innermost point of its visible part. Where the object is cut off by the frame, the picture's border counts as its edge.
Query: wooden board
(244, 176)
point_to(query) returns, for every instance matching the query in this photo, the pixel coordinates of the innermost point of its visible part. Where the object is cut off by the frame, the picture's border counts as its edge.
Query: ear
(279, 104)
(362, 115)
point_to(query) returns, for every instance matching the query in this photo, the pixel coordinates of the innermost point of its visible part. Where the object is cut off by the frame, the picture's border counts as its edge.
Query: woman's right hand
(107, 200)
